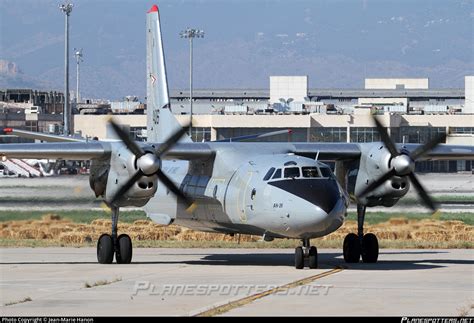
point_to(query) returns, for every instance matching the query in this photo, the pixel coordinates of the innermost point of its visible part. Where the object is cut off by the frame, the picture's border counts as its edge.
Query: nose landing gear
(306, 252)
(108, 244)
(360, 244)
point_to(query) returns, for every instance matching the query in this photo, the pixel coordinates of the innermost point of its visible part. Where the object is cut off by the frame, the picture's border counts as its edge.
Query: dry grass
(426, 233)
(24, 300)
(426, 230)
(102, 282)
(464, 311)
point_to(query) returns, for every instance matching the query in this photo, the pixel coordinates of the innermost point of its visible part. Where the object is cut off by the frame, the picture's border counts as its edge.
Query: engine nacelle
(122, 168)
(375, 162)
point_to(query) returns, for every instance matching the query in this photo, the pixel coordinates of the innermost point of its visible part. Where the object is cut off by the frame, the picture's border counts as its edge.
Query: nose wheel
(360, 244)
(306, 252)
(108, 244)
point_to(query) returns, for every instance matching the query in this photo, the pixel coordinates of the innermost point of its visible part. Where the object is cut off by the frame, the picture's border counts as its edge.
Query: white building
(469, 95)
(288, 87)
(396, 83)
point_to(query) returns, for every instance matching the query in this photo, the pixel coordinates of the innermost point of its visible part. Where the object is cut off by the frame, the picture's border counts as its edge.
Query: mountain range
(336, 43)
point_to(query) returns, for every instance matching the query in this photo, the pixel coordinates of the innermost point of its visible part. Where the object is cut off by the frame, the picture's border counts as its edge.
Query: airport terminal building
(412, 111)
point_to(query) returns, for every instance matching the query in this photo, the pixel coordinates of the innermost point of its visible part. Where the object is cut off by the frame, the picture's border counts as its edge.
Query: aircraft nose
(324, 193)
(326, 196)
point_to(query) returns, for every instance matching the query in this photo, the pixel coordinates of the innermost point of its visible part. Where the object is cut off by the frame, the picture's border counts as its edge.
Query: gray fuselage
(277, 195)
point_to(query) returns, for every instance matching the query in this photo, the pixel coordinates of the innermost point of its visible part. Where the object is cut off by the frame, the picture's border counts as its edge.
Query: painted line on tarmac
(221, 309)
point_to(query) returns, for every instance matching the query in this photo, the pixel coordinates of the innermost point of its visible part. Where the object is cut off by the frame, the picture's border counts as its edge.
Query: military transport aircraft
(276, 190)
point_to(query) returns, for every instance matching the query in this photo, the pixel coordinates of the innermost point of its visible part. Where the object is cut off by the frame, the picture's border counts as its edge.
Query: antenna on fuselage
(317, 156)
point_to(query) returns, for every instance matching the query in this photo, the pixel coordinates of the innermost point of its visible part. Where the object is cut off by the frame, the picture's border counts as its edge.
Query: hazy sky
(336, 43)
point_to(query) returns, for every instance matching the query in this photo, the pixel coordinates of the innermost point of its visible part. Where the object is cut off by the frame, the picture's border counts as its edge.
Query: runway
(69, 282)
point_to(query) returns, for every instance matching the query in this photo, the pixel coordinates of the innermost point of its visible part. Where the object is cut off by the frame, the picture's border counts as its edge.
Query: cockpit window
(290, 163)
(326, 172)
(277, 174)
(310, 172)
(269, 174)
(292, 172)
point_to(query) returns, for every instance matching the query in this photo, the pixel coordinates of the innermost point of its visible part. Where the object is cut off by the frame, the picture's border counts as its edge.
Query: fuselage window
(310, 172)
(326, 172)
(269, 174)
(277, 174)
(292, 172)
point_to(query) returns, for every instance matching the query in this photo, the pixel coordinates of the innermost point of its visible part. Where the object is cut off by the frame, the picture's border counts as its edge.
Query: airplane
(271, 189)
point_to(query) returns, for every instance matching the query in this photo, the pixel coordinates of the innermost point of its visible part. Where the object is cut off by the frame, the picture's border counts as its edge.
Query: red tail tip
(153, 9)
(7, 130)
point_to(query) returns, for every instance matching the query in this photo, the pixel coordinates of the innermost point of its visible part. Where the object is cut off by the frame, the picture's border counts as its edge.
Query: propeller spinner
(149, 164)
(403, 164)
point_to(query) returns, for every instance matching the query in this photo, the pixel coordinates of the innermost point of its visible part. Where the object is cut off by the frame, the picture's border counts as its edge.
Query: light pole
(78, 54)
(66, 8)
(191, 33)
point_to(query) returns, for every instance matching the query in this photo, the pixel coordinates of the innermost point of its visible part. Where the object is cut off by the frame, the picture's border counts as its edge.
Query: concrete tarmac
(53, 281)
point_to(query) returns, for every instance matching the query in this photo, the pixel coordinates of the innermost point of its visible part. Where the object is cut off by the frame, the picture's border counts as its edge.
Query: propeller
(149, 164)
(403, 164)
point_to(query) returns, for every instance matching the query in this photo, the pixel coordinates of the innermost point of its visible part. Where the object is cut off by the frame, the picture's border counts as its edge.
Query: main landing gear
(360, 244)
(306, 252)
(108, 244)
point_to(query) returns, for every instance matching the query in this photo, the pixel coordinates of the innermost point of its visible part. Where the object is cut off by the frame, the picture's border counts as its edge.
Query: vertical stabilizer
(161, 123)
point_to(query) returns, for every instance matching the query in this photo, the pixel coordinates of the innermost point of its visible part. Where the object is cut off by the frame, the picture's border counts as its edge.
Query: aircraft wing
(38, 135)
(188, 151)
(444, 152)
(348, 151)
(60, 150)
(96, 150)
(328, 151)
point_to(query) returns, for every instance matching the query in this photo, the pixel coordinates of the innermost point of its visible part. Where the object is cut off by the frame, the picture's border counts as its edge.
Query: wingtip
(154, 8)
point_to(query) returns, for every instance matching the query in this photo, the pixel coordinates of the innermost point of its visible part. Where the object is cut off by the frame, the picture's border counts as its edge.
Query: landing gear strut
(360, 244)
(108, 244)
(306, 251)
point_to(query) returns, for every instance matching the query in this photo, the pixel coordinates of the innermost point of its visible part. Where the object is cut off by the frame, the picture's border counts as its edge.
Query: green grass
(446, 199)
(49, 200)
(86, 216)
(79, 216)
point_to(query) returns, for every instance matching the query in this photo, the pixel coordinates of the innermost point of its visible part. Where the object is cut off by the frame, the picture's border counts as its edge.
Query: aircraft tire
(123, 252)
(313, 257)
(299, 258)
(370, 248)
(351, 248)
(105, 249)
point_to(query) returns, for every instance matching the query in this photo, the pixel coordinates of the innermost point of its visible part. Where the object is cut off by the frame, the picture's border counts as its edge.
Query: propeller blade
(372, 186)
(422, 192)
(386, 138)
(420, 151)
(176, 191)
(173, 139)
(124, 189)
(131, 145)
